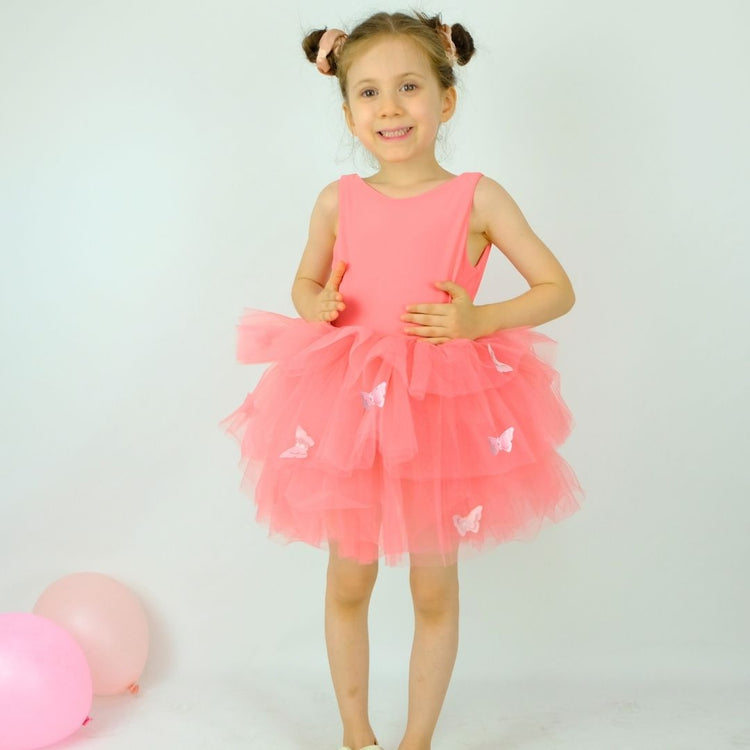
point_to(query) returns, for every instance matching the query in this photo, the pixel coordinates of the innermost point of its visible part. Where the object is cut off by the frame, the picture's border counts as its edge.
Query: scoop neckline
(409, 197)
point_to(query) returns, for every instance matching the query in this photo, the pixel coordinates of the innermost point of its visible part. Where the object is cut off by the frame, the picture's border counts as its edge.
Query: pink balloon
(45, 683)
(109, 623)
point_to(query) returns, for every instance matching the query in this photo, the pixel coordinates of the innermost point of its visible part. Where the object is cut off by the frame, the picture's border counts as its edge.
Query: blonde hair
(422, 29)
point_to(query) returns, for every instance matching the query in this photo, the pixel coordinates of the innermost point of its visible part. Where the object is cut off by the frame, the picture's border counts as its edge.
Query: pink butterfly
(502, 442)
(469, 522)
(499, 366)
(376, 397)
(299, 449)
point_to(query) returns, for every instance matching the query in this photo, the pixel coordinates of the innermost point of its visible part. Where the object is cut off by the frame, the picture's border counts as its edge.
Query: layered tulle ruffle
(390, 445)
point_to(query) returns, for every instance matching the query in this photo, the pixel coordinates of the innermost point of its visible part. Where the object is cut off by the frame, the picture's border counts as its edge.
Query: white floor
(282, 712)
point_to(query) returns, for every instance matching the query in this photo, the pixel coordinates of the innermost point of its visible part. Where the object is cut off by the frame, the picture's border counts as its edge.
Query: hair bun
(324, 59)
(311, 44)
(464, 43)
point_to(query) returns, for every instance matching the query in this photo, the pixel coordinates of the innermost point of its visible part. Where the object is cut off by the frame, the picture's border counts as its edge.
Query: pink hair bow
(332, 39)
(450, 47)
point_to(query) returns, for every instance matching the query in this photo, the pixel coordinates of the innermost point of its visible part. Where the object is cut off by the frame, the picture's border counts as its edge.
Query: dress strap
(346, 190)
(461, 265)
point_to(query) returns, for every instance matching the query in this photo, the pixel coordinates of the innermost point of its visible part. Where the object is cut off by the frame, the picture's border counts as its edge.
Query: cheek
(428, 110)
(360, 112)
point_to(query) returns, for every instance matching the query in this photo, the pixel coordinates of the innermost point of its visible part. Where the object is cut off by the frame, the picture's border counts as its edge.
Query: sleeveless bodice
(362, 434)
(397, 248)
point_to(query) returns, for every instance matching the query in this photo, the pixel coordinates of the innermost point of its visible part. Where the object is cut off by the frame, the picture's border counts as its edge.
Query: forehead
(389, 57)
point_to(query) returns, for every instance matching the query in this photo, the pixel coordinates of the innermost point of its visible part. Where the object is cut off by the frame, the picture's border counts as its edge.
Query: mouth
(394, 133)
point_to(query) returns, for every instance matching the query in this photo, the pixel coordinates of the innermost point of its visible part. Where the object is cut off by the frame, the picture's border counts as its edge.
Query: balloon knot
(86, 720)
(134, 688)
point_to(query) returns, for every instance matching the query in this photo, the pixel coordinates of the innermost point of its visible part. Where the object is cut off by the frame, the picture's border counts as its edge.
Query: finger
(431, 339)
(329, 314)
(328, 295)
(455, 290)
(425, 331)
(429, 309)
(422, 319)
(336, 275)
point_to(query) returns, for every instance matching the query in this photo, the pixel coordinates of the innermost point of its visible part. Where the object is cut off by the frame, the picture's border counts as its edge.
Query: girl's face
(395, 104)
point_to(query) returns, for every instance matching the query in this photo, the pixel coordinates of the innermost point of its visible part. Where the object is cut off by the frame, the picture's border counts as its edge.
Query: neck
(410, 173)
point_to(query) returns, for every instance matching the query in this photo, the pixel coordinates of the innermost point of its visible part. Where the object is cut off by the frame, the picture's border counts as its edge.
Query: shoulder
(328, 198)
(492, 200)
(490, 193)
(326, 207)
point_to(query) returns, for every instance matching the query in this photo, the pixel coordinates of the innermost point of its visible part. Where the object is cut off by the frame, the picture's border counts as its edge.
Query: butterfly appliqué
(375, 397)
(469, 522)
(499, 366)
(503, 442)
(300, 447)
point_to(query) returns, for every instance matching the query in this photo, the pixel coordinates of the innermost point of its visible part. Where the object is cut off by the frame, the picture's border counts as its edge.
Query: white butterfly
(502, 442)
(299, 449)
(469, 522)
(376, 397)
(499, 366)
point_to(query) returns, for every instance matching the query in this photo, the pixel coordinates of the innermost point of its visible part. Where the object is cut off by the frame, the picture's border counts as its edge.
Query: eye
(364, 93)
(413, 85)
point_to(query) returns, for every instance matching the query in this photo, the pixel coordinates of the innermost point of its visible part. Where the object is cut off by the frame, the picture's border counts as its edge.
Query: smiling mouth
(394, 133)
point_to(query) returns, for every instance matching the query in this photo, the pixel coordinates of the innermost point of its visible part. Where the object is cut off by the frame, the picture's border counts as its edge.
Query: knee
(434, 594)
(350, 583)
(351, 587)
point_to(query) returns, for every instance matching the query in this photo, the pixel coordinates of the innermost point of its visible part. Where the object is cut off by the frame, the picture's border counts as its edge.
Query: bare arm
(315, 288)
(551, 294)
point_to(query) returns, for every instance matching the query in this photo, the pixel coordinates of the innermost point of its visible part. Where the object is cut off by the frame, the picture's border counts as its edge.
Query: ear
(449, 103)
(349, 119)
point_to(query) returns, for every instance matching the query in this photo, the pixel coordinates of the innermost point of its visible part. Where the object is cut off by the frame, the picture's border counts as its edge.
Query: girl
(399, 418)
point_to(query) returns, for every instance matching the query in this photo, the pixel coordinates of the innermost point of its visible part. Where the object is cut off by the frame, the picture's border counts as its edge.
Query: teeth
(394, 133)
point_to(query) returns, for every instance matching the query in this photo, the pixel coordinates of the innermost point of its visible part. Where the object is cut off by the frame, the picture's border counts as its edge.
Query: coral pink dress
(389, 445)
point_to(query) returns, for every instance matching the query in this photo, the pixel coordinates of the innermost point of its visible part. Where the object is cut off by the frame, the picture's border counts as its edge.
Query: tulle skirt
(399, 449)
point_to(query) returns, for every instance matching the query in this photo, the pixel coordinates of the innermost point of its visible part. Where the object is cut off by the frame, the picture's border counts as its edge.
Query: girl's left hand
(442, 321)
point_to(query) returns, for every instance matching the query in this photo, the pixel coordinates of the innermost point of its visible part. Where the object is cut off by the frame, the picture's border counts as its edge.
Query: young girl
(399, 418)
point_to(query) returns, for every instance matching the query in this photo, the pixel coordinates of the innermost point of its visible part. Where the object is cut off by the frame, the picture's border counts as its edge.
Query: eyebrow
(400, 75)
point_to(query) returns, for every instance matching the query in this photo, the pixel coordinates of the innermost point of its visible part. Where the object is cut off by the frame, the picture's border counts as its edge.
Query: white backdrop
(159, 164)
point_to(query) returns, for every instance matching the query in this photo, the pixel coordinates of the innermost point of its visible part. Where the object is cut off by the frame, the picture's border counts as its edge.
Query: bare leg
(435, 596)
(349, 587)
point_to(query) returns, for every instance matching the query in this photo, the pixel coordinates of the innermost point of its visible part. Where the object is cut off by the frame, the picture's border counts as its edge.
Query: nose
(389, 104)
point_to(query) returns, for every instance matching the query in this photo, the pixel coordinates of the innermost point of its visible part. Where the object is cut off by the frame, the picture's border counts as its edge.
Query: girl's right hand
(329, 303)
